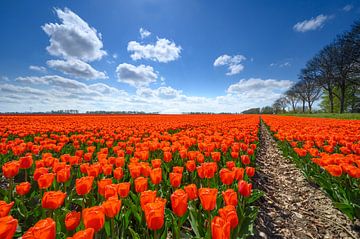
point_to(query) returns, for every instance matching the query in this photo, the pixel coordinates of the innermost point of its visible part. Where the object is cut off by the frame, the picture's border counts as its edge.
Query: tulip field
(121, 176)
(328, 152)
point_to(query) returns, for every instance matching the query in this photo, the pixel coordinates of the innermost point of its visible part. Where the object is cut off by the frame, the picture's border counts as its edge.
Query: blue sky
(168, 56)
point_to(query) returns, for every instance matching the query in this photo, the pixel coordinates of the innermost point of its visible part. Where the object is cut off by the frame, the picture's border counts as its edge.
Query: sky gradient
(159, 55)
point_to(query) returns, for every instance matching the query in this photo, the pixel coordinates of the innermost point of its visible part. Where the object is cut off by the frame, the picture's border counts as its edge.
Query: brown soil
(292, 207)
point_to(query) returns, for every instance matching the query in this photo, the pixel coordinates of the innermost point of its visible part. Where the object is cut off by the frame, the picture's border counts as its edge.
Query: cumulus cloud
(76, 68)
(137, 76)
(348, 8)
(144, 33)
(38, 68)
(312, 24)
(232, 62)
(163, 92)
(73, 38)
(259, 88)
(163, 51)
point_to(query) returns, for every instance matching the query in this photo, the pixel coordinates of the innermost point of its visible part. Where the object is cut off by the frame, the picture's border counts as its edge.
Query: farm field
(177, 176)
(128, 176)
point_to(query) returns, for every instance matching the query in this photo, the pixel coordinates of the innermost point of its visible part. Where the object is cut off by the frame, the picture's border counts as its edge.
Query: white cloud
(76, 68)
(73, 38)
(144, 33)
(348, 8)
(115, 56)
(137, 76)
(312, 24)
(256, 87)
(38, 68)
(4, 78)
(281, 65)
(163, 92)
(163, 51)
(232, 62)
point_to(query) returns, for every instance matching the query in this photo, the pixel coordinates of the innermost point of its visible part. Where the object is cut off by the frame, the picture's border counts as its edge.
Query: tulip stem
(11, 187)
(209, 223)
(156, 236)
(26, 175)
(112, 228)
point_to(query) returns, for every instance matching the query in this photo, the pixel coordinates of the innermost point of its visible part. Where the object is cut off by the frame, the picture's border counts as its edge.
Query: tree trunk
(331, 100)
(303, 108)
(342, 98)
(309, 104)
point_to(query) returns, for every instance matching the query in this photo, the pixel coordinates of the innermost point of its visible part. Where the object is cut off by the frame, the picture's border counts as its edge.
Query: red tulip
(84, 234)
(228, 213)
(208, 198)
(244, 188)
(191, 190)
(230, 197)
(179, 201)
(141, 184)
(175, 179)
(94, 217)
(72, 220)
(43, 229)
(5, 208)
(53, 199)
(84, 185)
(220, 229)
(10, 169)
(23, 188)
(124, 189)
(7, 227)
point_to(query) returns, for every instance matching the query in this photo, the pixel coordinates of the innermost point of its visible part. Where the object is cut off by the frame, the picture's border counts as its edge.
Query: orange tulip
(147, 197)
(220, 229)
(7, 227)
(156, 163)
(10, 169)
(72, 220)
(250, 171)
(112, 207)
(178, 169)
(179, 202)
(216, 156)
(40, 171)
(135, 170)
(191, 190)
(244, 188)
(94, 217)
(228, 213)
(208, 198)
(156, 175)
(167, 157)
(141, 184)
(239, 173)
(190, 165)
(102, 184)
(53, 199)
(245, 159)
(230, 197)
(227, 176)
(63, 175)
(230, 164)
(46, 180)
(334, 170)
(5, 208)
(111, 190)
(175, 179)
(207, 170)
(84, 185)
(118, 173)
(84, 234)
(43, 229)
(25, 162)
(124, 189)
(23, 188)
(154, 215)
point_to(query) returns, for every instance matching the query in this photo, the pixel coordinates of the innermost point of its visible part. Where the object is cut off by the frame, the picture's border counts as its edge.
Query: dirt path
(292, 208)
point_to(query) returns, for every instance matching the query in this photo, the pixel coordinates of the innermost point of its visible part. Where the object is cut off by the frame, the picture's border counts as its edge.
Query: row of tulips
(159, 176)
(328, 151)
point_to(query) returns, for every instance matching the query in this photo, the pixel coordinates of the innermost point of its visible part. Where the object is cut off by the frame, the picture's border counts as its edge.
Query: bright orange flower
(10, 169)
(43, 229)
(156, 163)
(156, 175)
(84, 234)
(102, 183)
(23, 188)
(107, 169)
(25, 162)
(154, 215)
(230, 164)
(167, 157)
(94, 217)
(230, 197)
(245, 159)
(46, 180)
(226, 176)
(53, 199)
(178, 169)
(190, 165)
(208, 198)
(135, 170)
(207, 170)
(112, 207)
(334, 170)
(216, 156)
(191, 190)
(7, 227)
(5, 208)
(84, 185)
(175, 179)
(72, 220)
(228, 213)
(118, 173)
(141, 184)
(111, 190)
(250, 171)
(63, 175)
(124, 189)
(179, 200)
(40, 171)
(244, 188)
(220, 229)
(239, 173)
(147, 197)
